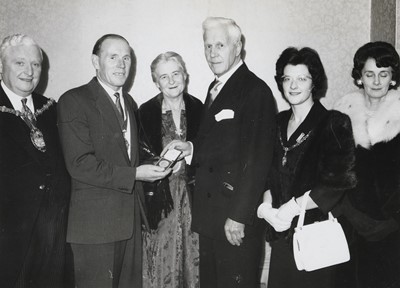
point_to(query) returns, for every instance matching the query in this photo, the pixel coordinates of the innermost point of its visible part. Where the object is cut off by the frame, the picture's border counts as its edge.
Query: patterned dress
(171, 253)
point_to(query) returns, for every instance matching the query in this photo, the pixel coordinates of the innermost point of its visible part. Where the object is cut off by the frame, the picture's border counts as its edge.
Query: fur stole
(368, 130)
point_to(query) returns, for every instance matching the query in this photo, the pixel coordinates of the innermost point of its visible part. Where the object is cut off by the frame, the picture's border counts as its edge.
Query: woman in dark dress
(374, 111)
(314, 151)
(170, 248)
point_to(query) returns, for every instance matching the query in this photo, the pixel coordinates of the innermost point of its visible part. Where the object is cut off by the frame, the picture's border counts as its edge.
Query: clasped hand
(280, 219)
(289, 210)
(266, 211)
(234, 232)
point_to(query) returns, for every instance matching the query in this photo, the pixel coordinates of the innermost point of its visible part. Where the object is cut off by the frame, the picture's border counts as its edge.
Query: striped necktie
(118, 104)
(214, 92)
(28, 112)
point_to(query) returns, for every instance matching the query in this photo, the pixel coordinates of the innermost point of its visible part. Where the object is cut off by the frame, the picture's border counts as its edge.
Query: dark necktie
(214, 92)
(123, 121)
(28, 112)
(118, 104)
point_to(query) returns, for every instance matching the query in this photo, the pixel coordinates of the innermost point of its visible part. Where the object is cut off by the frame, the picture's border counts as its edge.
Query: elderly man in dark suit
(99, 137)
(34, 184)
(232, 156)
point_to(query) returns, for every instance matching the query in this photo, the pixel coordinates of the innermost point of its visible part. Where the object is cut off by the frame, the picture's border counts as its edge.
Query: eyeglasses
(300, 80)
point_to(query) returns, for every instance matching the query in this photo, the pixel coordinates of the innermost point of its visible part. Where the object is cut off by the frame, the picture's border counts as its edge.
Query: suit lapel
(104, 105)
(225, 99)
(130, 109)
(47, 123)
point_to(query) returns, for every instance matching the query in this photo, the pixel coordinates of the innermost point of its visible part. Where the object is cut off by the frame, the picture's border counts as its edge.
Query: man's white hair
(234, 31)
(16, 40)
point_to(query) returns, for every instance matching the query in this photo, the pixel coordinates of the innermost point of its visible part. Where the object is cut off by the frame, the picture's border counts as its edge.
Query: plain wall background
(67, 31)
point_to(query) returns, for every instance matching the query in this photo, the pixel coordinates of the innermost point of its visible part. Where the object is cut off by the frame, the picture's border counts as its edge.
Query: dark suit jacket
(30, 180)
(232, 156)
(104, 190)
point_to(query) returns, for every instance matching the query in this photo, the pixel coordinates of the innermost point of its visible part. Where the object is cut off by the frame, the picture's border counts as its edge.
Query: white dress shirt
(16, 99)
(224, 78)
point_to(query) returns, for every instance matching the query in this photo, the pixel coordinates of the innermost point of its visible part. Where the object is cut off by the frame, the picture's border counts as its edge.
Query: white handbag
(320, 244)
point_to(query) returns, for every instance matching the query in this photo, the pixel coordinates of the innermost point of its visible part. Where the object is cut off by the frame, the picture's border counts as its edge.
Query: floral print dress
(171, 253)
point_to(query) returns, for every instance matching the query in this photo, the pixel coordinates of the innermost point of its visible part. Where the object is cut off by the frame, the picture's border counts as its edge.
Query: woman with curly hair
(314, 152)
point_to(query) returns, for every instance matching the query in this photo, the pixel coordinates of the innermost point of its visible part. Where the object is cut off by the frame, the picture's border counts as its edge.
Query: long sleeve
(88, 145)
(257, 134)
(336, 162)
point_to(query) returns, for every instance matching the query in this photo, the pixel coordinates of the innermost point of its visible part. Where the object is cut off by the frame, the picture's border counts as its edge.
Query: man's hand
(234, 231)
(183, 146)
(151, 173)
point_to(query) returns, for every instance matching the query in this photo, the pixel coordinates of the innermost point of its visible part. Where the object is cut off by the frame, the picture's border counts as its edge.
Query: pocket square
(224, 114)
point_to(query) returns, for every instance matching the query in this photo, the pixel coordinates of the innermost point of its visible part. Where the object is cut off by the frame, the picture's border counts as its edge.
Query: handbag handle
(303, 206)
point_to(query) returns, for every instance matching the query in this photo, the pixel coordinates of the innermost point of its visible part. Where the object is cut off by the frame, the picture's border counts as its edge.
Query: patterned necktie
(118, 104)
(124, 121)
(214, 92)
(28, 112)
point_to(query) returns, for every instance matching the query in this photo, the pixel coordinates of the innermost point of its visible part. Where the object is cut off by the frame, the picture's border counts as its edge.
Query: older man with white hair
(232, 154)
(34, 184)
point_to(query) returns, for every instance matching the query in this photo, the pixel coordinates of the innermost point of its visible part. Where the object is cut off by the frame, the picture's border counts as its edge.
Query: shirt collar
(110, 91)
(16, 99)
(228, 74)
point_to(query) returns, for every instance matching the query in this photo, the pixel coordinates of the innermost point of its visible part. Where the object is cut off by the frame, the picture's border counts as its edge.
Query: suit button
(211, 170)
(208, 195)
(41, 187)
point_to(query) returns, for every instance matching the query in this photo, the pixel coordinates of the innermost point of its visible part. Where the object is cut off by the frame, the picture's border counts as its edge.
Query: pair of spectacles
(301, 79)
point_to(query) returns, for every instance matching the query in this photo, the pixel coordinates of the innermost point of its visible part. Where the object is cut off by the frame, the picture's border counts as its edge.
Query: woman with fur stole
(314, 151)
(374, 111)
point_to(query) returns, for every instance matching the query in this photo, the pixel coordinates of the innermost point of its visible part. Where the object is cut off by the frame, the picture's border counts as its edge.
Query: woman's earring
(359, 82)
(392, 82)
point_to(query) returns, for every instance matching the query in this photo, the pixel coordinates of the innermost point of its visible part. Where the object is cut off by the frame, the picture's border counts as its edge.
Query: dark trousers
(224, 265)
(48, 260)
(111, 265)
